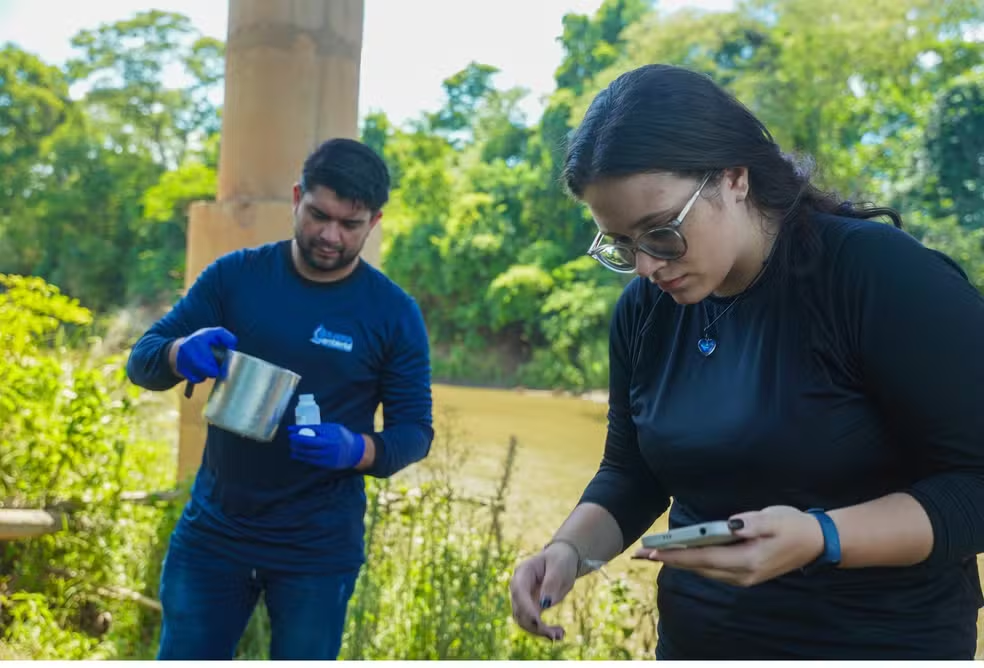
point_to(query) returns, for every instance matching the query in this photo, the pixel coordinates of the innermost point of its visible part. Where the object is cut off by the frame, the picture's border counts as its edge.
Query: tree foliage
(94, 186)
(955, 149)
(885, 95)
(70, 440)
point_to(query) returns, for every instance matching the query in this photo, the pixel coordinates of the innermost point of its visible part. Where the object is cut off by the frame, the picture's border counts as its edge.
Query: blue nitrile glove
(332, 446)
(195, 360)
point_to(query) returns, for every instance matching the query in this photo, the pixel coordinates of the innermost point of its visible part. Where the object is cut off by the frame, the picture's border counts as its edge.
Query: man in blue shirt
(286, 518)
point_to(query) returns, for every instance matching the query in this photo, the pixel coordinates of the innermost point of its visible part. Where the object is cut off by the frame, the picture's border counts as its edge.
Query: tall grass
(436, 582)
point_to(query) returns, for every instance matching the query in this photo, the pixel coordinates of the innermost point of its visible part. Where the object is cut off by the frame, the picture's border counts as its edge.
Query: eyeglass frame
(633, 246)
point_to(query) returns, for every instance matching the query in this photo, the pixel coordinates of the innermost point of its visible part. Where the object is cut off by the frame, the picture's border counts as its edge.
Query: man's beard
(343, 260)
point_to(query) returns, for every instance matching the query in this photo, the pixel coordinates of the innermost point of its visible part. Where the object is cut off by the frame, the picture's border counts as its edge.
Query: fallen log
(124, 594)
(119, 593)
(26, 523)
(17, 523)
(150, 498)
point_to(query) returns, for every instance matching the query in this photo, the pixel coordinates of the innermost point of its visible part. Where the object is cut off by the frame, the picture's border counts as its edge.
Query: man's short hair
(350, 168)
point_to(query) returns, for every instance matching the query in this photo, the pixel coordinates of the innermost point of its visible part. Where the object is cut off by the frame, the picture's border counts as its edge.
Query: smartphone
(695, 535)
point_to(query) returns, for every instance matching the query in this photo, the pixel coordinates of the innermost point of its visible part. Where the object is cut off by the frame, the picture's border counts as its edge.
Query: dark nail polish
(735, 525)
(545, 602)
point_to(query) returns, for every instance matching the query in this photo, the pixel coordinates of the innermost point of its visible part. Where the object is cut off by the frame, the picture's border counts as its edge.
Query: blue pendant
(706, 346)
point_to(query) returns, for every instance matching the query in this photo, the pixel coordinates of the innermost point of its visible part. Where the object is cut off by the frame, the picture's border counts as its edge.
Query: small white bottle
(307, 412)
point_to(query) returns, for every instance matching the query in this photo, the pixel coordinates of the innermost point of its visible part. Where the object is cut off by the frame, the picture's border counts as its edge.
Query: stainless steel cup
(250, 396)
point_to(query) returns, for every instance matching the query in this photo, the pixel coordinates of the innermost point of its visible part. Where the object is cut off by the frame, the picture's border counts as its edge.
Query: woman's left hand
(778, 539)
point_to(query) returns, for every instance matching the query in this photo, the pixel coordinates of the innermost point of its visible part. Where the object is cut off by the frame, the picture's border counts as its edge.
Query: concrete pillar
(291, 82)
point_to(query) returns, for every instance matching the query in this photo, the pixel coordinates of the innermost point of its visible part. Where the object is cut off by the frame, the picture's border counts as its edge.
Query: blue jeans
(208, 599)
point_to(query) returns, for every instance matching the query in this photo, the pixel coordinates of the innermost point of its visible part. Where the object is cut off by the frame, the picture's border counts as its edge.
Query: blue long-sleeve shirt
(862, 377)
(357, 343)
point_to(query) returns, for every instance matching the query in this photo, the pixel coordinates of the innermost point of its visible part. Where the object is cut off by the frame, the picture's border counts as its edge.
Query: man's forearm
(172, 356)
(396, 448)
(151, 363)
(368, 455)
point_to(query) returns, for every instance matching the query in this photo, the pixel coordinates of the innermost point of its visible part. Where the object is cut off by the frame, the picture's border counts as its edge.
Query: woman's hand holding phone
(772, 542)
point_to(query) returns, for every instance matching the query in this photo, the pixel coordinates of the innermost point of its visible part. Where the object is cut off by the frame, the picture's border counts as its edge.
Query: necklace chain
(707, 344)
(721, 314)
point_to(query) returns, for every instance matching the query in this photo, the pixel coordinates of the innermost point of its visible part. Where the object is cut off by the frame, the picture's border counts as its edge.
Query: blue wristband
(831, 555)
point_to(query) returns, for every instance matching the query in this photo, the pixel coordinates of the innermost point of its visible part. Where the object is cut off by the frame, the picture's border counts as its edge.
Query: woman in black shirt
(785, 363)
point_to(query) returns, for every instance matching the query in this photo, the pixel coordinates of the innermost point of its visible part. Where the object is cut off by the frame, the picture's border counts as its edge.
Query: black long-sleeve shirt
(356, 343)
(863, 377)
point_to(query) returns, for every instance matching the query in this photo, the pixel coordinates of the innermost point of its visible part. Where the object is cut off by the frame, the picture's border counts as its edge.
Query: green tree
(592, 43)
(102, 198)
(421, 166)
(479, 220)
(886, 95)
(160, 236)
(83, 235)
(465, 91)
(955, 149)
(34, 103)
(124, 66)
(375, 131)
(849, 83)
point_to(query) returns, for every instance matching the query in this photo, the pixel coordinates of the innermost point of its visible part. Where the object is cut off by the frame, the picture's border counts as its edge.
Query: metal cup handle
(220, 356)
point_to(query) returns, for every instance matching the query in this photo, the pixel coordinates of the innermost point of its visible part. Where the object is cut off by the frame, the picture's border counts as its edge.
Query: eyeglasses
(663, 243)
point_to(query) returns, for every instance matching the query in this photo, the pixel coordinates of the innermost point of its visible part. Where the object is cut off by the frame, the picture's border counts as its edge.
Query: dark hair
(661, 118)
(350, 168)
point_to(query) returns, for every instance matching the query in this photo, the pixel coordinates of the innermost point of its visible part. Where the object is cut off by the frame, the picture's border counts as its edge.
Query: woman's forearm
(593, 531)
(892, 530)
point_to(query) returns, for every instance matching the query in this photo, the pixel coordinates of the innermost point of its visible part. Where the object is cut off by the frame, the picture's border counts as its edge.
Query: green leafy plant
(70, 444)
